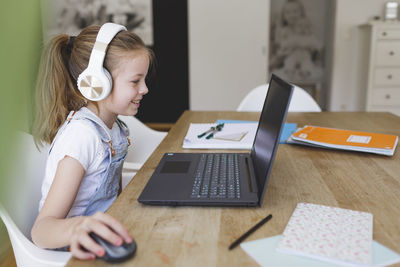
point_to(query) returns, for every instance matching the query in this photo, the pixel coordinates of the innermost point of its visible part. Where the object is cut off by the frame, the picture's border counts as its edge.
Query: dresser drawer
(387, 76)
(388, 53)
(388, 34)
(386, 97)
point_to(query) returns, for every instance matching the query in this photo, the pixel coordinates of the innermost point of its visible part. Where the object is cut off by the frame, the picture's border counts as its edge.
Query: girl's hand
(103, 225)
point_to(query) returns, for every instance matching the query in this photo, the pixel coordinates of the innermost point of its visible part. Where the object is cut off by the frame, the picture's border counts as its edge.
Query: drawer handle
(390, 76)
(387, 96)
(391, 53)
(384, 33)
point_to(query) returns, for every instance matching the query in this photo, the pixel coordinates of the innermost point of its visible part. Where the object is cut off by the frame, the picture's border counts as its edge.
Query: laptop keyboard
(217, 176)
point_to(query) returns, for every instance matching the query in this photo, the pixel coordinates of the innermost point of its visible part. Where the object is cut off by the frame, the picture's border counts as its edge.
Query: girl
(88, 142)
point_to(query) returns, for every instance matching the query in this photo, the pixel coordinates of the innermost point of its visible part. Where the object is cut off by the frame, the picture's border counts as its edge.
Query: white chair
(20, 205)
(144, 141)
(301, 101)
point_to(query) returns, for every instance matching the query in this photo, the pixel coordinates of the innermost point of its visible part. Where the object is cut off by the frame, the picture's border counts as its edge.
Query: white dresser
(383, 85)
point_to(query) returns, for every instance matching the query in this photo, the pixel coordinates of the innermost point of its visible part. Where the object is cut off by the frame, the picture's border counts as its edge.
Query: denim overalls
(116, 153)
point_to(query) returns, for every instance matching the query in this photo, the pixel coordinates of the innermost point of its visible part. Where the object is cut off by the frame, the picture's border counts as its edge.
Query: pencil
(249, 232)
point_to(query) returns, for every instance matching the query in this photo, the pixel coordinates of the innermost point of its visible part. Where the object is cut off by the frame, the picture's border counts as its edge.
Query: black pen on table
(252, 229)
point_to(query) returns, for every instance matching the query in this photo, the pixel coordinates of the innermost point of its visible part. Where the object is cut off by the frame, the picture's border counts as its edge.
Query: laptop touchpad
(175, 167)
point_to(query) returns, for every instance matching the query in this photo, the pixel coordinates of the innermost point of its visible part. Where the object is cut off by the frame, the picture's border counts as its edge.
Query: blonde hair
(56, 90)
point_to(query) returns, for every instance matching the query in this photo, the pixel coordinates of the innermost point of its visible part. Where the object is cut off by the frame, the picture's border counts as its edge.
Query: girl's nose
(144, 90)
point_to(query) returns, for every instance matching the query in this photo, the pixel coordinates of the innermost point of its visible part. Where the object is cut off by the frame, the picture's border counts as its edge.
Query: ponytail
(56, 92)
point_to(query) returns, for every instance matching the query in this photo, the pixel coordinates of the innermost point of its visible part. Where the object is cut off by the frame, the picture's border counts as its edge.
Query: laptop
(223, 179)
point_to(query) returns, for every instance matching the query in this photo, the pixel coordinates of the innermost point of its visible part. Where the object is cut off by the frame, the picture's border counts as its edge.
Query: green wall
(20, 48)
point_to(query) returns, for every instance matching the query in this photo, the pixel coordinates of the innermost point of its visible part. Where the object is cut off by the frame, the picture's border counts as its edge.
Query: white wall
(227, 51)
(347, 87)
(226, 58)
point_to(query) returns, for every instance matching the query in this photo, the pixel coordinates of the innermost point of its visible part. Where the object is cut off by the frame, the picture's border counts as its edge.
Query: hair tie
(71, 42)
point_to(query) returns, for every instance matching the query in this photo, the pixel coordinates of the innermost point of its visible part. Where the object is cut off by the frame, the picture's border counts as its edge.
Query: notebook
(223, 179)
(332, 234)
(384, 144)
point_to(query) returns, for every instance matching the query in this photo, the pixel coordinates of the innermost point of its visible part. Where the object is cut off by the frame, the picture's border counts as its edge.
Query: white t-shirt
(81, 141)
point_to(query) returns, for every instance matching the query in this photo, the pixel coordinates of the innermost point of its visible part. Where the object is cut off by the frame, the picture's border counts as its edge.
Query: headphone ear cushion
(108, 75)
(95, 85)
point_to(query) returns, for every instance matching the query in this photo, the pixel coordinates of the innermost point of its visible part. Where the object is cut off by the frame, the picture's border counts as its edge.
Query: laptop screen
(271, 122)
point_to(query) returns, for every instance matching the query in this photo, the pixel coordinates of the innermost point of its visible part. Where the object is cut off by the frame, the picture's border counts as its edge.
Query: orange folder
(346, 139)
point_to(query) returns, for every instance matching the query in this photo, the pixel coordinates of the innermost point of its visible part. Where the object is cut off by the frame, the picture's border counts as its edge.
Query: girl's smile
(136, 102)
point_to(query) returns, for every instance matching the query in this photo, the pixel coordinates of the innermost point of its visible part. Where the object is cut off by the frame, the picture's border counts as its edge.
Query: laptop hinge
(251, 179)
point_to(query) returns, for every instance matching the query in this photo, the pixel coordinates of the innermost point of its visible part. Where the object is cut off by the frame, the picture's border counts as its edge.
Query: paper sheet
(288, 128)
(263, 251)
(241, 133)
(230, 129)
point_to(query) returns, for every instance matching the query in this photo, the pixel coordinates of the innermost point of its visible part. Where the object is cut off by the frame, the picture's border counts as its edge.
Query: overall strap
(98, 124)
(61, 129)
(122, 125)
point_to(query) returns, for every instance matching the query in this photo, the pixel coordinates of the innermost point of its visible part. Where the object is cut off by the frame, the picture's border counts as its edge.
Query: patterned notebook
(327, 233)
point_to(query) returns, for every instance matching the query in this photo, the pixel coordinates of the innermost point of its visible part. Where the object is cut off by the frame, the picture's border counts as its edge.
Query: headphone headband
(105, 35)
(108, 31)
(95, 81)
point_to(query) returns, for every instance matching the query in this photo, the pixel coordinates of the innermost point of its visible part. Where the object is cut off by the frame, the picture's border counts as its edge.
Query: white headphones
(95, 82)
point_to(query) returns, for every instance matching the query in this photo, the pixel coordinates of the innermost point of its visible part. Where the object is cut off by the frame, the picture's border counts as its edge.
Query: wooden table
(200, 236)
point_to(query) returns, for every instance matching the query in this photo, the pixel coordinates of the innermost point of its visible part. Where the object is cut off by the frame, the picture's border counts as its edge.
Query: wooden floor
(6, 253)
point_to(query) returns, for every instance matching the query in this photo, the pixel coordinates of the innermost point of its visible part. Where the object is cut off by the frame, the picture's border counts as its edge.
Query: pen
(217, 129)
(212, 129)
(252, 229)
(210, 135)
(206, 132)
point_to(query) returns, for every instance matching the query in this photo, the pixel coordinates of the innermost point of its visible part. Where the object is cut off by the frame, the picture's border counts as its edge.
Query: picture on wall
(70, 16)
(297, 39)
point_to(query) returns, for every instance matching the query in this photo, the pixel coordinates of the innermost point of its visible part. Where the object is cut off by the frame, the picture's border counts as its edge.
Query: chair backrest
(25, 181)
(301, 100)
(144, 140)
(20, 205)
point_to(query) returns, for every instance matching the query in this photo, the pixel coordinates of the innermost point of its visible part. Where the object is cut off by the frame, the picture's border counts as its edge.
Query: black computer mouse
(115, 253)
